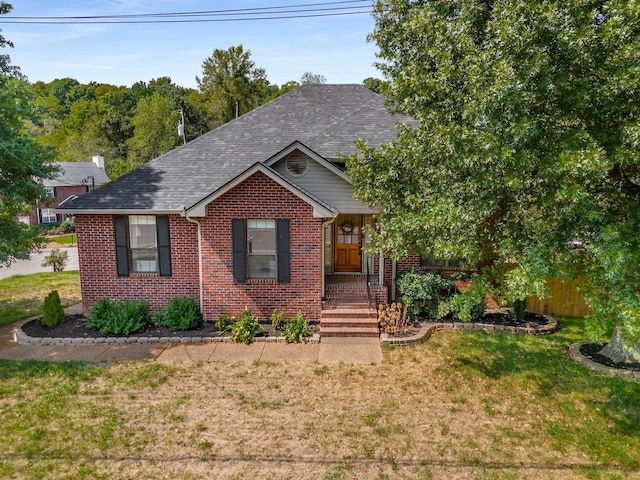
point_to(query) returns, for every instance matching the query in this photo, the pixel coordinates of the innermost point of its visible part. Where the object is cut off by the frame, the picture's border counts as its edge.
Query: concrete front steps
(349, 320)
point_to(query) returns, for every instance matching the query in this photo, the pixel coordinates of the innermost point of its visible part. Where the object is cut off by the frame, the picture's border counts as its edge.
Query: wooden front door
(347, 241)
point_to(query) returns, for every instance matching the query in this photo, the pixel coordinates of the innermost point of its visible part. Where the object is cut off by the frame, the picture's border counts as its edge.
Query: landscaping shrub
(422, 293)
(225, 322)
(56, 259)
(120, 318)
(393, 318)
(67, 227)
(519, 308)
(468, 307)
(245, 328)
(296, 329)
(277, 319)
(182, 313)
(52, 310)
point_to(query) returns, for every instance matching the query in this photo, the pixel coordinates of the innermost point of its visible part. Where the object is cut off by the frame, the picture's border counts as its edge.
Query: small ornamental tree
(56, 259)
(525, 146)
(52, 310)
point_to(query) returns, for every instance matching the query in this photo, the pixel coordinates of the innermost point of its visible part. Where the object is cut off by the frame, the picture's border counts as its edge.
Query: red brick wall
(261, 197)
(98, 273)
(257, 197)
(62, 193)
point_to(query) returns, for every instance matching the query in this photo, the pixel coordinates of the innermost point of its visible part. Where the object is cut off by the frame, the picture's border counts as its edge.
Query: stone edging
(426, 331)
(576, 355)
(22, 338)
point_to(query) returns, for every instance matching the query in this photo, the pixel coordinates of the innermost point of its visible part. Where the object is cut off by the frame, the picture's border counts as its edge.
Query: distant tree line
(129, 126)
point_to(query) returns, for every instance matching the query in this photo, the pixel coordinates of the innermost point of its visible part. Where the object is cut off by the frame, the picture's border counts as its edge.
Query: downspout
(196, 222)
(325, 224)
(394, 271)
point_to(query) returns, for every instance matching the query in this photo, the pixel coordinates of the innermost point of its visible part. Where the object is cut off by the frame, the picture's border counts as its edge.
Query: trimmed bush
(296, 329)
(182, 313)
(120, 318)
(245, 328)
(519, 308)
(52, 310)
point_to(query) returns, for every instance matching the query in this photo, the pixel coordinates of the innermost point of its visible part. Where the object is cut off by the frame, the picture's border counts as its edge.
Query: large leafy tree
(22, 162)
(231, 84)
(155, 129)
(526, 149)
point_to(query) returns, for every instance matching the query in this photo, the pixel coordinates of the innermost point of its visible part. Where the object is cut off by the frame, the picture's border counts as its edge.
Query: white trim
(309, 153)
(319, 210)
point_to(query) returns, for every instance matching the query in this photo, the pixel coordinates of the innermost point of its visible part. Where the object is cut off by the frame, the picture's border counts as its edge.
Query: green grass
(66, 239)
(21, 296)
(466, 404)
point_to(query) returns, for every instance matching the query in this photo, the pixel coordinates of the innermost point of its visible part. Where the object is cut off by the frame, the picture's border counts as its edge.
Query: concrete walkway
(329, 350)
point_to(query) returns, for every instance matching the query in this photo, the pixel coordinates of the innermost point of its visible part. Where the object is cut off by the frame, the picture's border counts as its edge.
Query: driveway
(33, 265)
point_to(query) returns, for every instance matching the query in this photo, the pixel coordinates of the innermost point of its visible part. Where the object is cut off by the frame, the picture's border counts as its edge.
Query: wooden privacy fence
(562, 299)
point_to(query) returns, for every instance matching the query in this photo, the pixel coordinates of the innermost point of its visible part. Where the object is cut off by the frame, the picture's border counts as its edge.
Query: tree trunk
(618, 351)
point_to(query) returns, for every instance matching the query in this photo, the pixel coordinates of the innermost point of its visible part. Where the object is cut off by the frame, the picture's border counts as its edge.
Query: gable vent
(297, 164)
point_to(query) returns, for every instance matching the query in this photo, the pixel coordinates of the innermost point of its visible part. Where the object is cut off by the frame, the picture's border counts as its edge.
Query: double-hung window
(261, 248)
(144, 243)
(47, 215)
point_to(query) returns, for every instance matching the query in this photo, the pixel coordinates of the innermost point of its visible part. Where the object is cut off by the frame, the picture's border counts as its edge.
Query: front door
(347, 241)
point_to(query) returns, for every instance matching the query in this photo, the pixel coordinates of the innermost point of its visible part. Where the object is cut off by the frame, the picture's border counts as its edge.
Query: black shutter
(122, 254)
(284, 262)
(239, 240)
(164, 246)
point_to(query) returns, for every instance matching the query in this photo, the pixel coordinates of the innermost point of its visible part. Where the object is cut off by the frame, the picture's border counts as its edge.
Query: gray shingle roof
(74, 173)
(326, 118)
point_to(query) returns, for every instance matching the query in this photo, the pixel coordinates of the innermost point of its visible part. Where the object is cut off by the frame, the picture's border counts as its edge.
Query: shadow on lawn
(541, 363)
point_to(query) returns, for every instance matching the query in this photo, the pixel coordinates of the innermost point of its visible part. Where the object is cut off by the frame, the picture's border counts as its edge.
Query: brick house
(258, 212)
(75, 179)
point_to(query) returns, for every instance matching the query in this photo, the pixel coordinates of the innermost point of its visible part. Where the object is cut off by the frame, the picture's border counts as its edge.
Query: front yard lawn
(21, 296)
(465, 404)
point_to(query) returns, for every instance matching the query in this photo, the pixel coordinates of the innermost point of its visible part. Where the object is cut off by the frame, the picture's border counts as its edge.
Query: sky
(122, 54)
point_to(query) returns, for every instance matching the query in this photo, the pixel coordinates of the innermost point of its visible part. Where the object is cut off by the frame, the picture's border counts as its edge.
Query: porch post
(381, 271)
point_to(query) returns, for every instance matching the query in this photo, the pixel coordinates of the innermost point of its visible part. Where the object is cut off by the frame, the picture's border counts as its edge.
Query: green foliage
(52, 311)
(182, 313)
(519, 308)
(422, 292)
(57, 259)
(120, 318)
(22, 163)
(277, 319)
(296, 329)
(526, 139)
(225, 322)
(245, 328)
(228, 77)
(467, 308)
(67, 226)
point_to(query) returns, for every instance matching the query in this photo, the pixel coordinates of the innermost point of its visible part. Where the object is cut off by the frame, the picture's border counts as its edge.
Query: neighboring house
(75, 179)
(257, 213)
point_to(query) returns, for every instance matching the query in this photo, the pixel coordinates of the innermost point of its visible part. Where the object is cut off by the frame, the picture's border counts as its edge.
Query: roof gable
(309, 153)
(326, 119)
(320, 209)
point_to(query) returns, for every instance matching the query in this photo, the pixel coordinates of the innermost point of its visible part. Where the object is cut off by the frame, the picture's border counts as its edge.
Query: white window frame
(257, 253)
(144, 257)
(47, 215)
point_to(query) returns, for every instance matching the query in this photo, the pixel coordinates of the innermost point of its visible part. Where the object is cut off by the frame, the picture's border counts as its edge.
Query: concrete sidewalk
(329, 350)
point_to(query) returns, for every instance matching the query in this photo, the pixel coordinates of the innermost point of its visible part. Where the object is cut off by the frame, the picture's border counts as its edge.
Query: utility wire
(247, 14)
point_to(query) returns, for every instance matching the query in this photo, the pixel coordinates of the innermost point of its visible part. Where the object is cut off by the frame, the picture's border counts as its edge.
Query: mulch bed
(591, 351)
(74, 327)
(503, 318)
